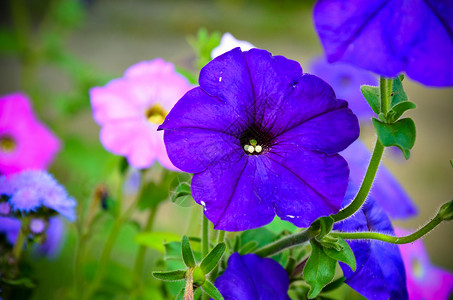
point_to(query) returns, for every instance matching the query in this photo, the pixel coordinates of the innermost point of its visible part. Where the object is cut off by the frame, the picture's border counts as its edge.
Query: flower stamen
(7, 144)
(156, 114)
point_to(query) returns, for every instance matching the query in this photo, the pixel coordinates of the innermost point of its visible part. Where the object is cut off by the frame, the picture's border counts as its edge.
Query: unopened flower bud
(198, 277)
(446, 211)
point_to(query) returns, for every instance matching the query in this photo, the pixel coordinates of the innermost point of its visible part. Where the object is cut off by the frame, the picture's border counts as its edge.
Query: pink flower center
(7, 144)
(156, 114)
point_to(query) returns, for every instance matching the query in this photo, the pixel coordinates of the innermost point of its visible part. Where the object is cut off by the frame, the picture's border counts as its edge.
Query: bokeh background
(73, 45)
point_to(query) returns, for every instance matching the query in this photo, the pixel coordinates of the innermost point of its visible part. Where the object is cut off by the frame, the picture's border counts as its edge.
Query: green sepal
(175, 275)
(397, 111)
(211, 290)
(324, 224)
(187, 254)
(372, 95)
(400, 134)
(212, 259)
(319, 269)
(344, 255)
(331, 242)
(248, 247)
(446, 211)
(198, 277)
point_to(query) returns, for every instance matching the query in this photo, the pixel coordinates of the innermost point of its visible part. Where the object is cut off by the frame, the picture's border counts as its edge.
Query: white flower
(229, 42)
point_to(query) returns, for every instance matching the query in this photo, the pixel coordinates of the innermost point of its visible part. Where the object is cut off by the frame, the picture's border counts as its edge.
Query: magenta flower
(25, 143)
(130, 109)
(262, 139)
(390, 36)
(424, 280)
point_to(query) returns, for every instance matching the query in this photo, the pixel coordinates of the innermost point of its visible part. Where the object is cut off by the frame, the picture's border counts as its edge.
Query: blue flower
(262, 139)
(346, 81)
(253, 278)
(31, 190)
(10, 228)
(390, 36)
(380, 273)
(386, 190)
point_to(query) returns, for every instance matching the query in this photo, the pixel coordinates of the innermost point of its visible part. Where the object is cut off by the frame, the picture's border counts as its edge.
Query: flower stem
(366, 184)
(286, 242)
(140, 259)
(20, 240)
(205, 237)
(221, 237)
(385, 85)
(390, 239)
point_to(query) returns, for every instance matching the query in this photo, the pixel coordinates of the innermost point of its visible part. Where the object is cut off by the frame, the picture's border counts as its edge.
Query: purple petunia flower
(25, 143)
(262, 139)
(130, 108)
(346, 81)
(390, 36)
(253, 277)
(424, 280)
(33, 189)
(380, 272)
(386, 190)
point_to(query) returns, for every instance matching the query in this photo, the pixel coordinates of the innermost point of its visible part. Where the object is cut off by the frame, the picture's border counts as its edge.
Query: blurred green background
(65, 47)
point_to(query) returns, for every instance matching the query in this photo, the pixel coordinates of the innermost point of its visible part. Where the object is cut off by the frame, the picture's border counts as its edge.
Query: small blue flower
(33, 189)
(253, 278)
(380, 273)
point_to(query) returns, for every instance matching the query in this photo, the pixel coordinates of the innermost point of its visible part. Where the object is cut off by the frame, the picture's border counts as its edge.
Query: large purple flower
(386, 190)
(262, 139)
(380, 273)
(425, 281)
(390, 36)
(25, 143)
(254, 278)
(346, 81)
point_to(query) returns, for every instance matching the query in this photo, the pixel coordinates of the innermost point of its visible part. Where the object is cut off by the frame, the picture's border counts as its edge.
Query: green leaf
(334, 285)
(325, 224)
(187, 254)
(372, 95)
(211, 290)
(319, 269)
(398, 94)
(398, 110)
(155, 240)
(400, 134)
(212, 259)
(248, 247)
(345, 255)
(182, 195)
(170, 275)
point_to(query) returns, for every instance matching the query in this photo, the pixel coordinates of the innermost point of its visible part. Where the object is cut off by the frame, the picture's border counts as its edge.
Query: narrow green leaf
(400, 108)
(372, 95)
(325, 224)
(155, 240)
(187, 254)
(249, 247)
(170, 275)
(211, 290)
(400, 134)
(345, 255)
(319, 269)
(212, 259)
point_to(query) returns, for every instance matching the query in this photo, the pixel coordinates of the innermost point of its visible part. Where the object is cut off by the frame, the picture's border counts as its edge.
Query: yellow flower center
(7, 144)
(156, 114)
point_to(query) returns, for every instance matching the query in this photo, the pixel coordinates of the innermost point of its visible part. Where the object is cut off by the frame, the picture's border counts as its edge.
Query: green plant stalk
(205, 236)
(286, 242)
(385, 86)
(141, 254)
(20, 240)
(221, 237)
(364, 190)
(111, 239)
(390, 239)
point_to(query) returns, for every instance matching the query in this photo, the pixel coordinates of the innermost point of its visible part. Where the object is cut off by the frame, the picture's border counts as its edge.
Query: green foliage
(182, 195)
(187, 254)
(319, 269)
(400, 134)
(324, 225)
(212, 259)
(156, 240)
(446, 211)
(203, 44)
(211, 290)
(344, 255)
(372, 95)
(170, 275)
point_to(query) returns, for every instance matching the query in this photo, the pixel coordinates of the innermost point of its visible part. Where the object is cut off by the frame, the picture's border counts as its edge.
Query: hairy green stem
(366, 184)
(286, 242)
(385, 85)
(205, 237)
(390, 239)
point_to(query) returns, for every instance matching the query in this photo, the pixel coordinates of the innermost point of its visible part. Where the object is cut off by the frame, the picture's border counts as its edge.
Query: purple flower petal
(10, 228)
(252, 277)
(53, 242)
(386, 190)
(346, 80)
(380, 272)
(389, 36)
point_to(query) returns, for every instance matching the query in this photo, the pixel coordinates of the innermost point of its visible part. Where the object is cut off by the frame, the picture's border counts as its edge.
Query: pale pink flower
(424, 280)
(129, 110)
(25, 143)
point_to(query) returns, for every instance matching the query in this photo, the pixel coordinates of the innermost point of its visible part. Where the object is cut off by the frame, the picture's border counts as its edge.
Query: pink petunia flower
(130, 109)
(25, 143)
(424, 280)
